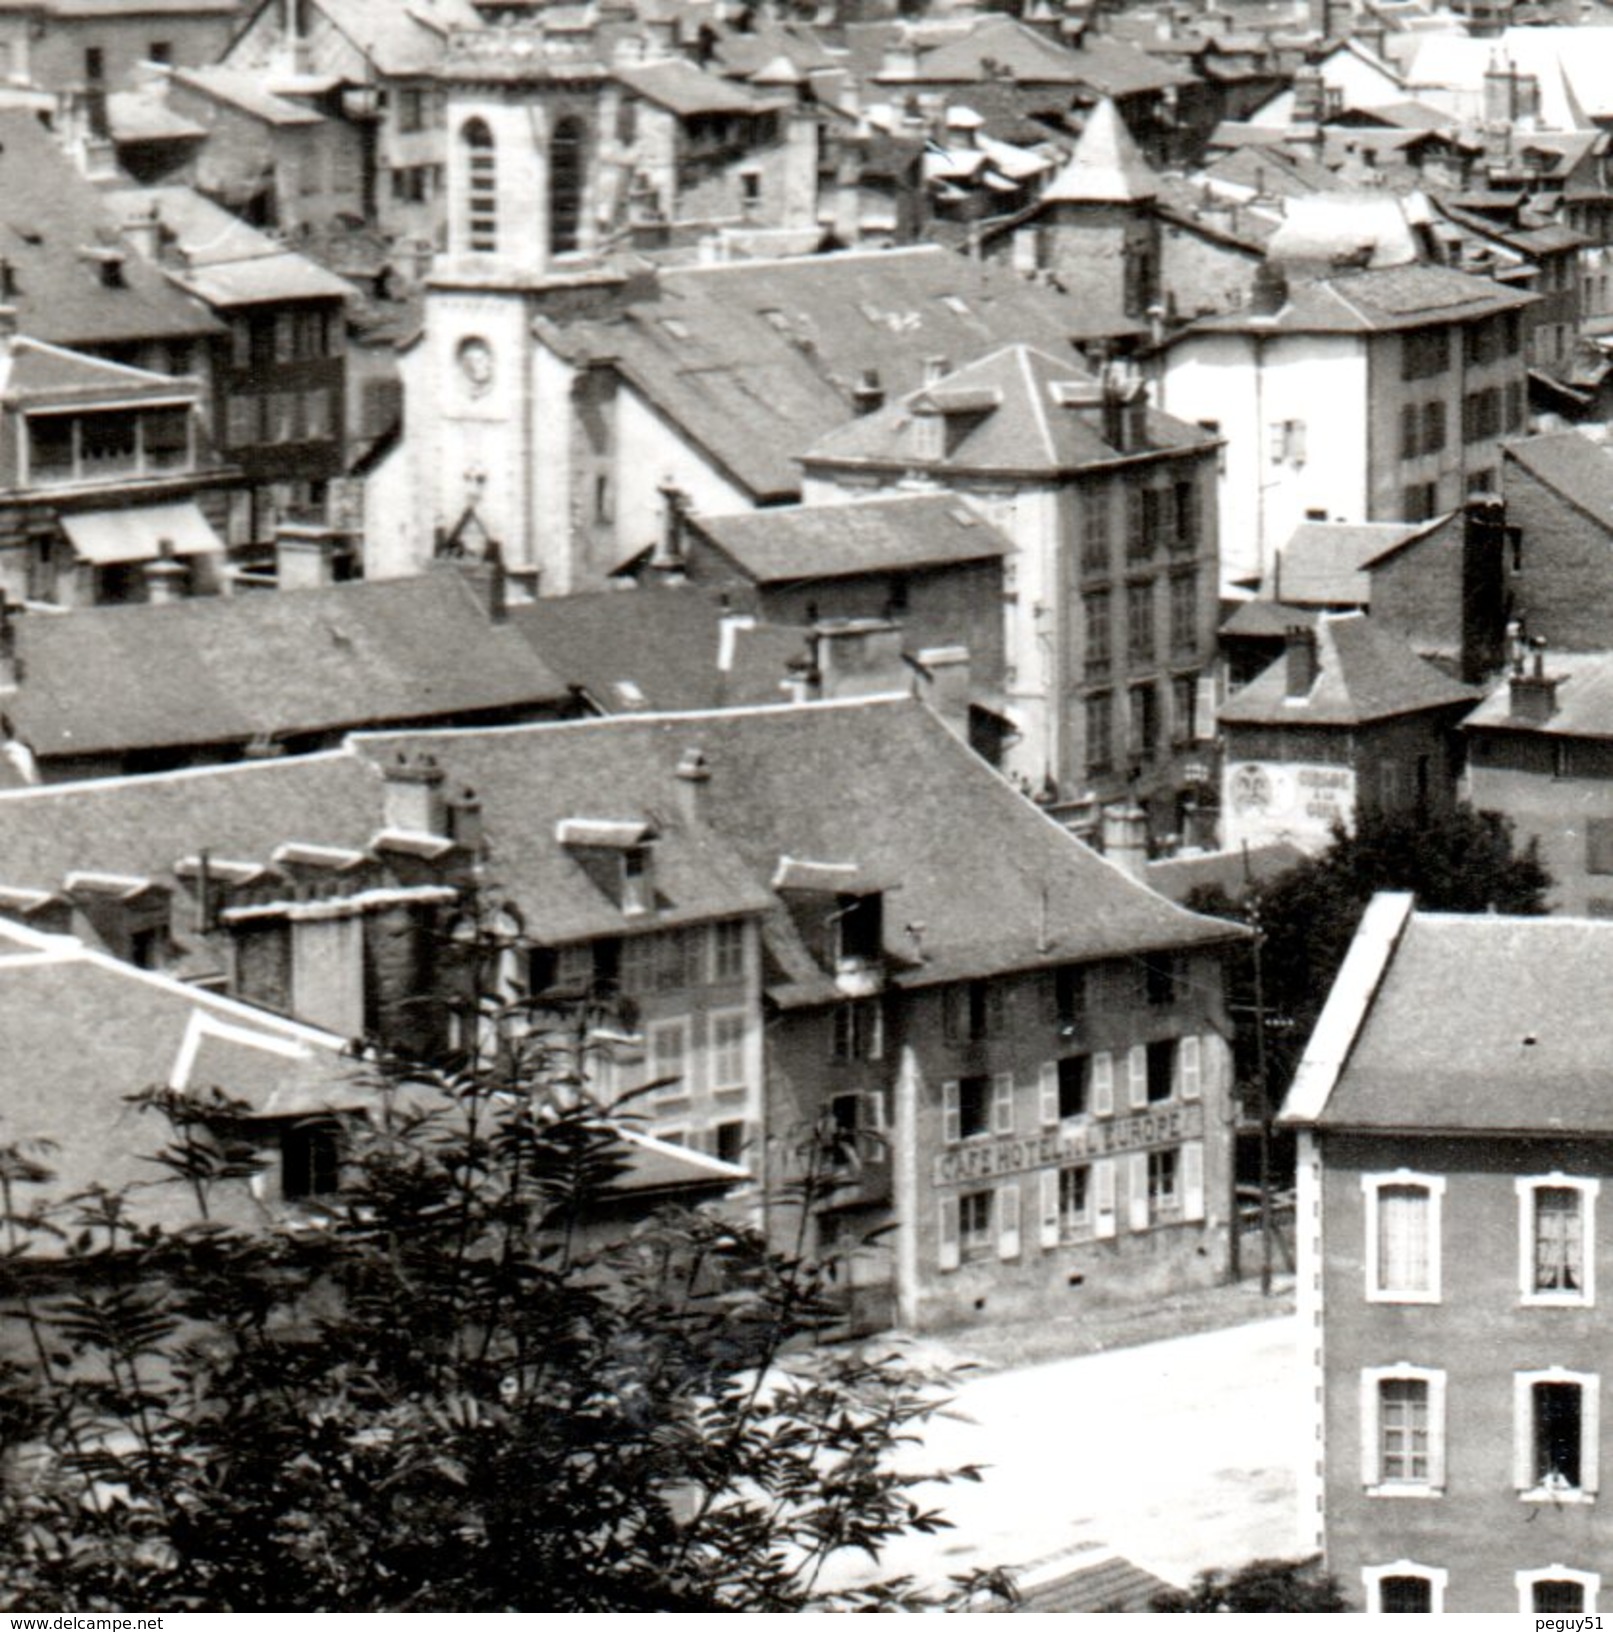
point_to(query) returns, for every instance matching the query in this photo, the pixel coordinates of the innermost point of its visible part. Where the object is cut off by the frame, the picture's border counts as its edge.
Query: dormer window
(861, 929)
(638, 894)
(618, 857)
(929, 436)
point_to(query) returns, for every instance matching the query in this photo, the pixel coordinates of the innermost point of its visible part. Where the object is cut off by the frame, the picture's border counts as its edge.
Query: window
(727, 944)
(1411, 422)
(160, 51)
(1069, 996)
(1403, 1431)
(94, 63)
(1073, 1073)
(1557, 1590)
(1075, 1202)
(974, 1223)
(1189, 518)
(1139, 517)
(1419, 501)
(1599, 846)
(654, 963)
(1158, 977)
(1288, 441)
(1184, 708)
(1184, 612)
(1556, 1240)
(1556, 1451)
(481, 192)
(1403, 1237)
(1161, 1071)
(1481, 415)
(1140, 622)
(1404, 1588)
(856, 1128)
(565, 187)
(975, 1106)
(1514, 410)
(1097, 510)
(310, 1160)
(1097, 622)
(859, 1031)
(667, 1055)
(1164, 1193)
(728, 1143)
(1144, 701)
(1099, 733)
(727, 1053)
(1425, 353)
(411, 109)
(973, 1011)
(1433, 426)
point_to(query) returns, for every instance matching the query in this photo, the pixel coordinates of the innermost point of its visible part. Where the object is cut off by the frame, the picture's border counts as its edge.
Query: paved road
(1179, 1454)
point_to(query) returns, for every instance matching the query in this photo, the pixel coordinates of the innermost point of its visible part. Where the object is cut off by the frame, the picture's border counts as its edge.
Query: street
(1179, 1455)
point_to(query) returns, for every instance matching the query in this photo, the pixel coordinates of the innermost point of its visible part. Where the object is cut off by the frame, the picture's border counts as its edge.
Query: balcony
(116, 445)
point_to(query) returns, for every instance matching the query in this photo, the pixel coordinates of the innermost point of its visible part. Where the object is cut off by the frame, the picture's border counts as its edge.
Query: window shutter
(1050, 1093)
(1050, 1206)
(1137, 1189)
(1189, 1066)
(1212, 1053)
(1590, 1433)
(873, 1148)
(951, 1116)
(1193, 1181)
(948, 1255)
(1137, 1076)
(1204, 710)
(1523, 1433)
(1103, 1084)
(1369, 1428)
(1008, 1221)
(1002, 1102)
(996, 1008)
(951, 1003)
(1103, 1203)
(1436, 1430)
(874, 1111)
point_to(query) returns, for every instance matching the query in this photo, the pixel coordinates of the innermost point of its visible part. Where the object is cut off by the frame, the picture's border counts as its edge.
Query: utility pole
(1263, 1087)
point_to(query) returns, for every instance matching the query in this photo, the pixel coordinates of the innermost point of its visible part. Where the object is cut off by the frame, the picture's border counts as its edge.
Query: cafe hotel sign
(1058, 1147)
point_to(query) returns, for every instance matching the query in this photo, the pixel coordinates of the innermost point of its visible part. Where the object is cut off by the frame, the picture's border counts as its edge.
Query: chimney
(803, 681)
(1125, 408)
(143, 233)
(1310, 97)
(859, 657)
(412, 797)
(868, 396)
(668, 554)
(485, 576)
(693, 772)
(936, 369)
(1125, 837)
(1303, 667)
(1532, 698)
(1484, 591)
(1268, 294)
(464, 818)
(944, 686)
(304, 556)
(166, 578)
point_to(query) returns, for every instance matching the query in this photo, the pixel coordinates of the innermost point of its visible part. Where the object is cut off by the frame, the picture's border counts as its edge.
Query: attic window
(861, 928)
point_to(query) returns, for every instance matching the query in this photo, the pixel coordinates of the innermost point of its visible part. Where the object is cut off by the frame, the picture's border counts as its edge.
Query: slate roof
(685, 89)
(1375, 300)
(755, 360)
(1012, 415)
(224, 669)
(996, 884)
(1003, 47)
(1233, 871)
(397, 40)
(629, 651)
(1366, 674)
(49, 216)
(1324, 562)
(246, 93)
(133, 116)
(1584, 699)
(223, 261)
(1267, 620)
(1106, 167)
(786, 545)
(1572, 466)
(35, 372)
(1484, 1024)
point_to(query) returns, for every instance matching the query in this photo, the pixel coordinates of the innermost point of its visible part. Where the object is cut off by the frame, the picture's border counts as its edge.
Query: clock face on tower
(474, 359)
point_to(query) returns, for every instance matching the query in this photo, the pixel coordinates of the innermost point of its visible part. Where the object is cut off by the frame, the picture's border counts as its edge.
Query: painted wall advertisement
(1265, 801)
(1055, 1147)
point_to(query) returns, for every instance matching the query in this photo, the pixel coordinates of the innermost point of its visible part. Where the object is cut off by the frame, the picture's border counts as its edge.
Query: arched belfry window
(565, 186)
(481, 187)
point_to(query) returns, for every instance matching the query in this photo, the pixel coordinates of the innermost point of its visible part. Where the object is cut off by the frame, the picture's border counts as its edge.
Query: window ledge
(1407, 1491)
(1556, 1300)
(1403, 1297)
(1559, 1498)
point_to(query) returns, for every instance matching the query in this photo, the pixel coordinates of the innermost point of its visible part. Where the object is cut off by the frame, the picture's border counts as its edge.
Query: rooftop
(1443, 1023)
(246, 93)
(225, 669)
(1583, 699)
(1365, 673)
(1572, 466)
(685, 89)
(1324, 562)
(1106, 166)
(50, 217)
(756, 360)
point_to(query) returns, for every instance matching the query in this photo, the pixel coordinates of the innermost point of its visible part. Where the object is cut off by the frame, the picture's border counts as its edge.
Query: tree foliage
(1463, 861)
(446, 1389)
(1266, 1587)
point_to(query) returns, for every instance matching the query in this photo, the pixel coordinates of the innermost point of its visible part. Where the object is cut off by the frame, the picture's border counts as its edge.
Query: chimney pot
(412, 796)
(869, 396)
(936, 369)
(464, 811)
(1125, 837)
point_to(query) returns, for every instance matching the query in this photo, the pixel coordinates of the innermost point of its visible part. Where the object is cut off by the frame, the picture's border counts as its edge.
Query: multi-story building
(280, 405)
(1110, 601)
(1003, 1057)
(1453, 1141)
(1421, 369)
(1348, 720)
(97, 50)
(109, 490)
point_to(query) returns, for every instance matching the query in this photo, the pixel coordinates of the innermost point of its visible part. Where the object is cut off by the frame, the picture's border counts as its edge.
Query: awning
(104, 536)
